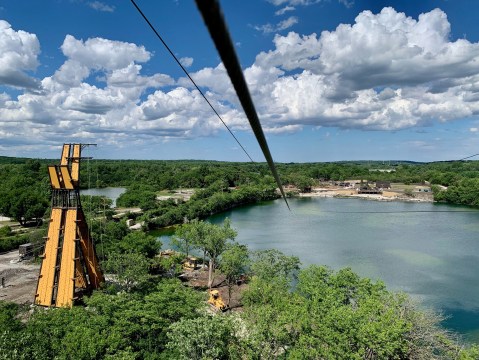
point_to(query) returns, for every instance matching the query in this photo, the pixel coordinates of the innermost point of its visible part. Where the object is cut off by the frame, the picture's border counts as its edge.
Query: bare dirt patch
(20, 278)
(198, 279)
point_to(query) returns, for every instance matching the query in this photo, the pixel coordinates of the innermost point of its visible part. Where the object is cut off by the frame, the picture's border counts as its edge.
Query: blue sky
(331, 79)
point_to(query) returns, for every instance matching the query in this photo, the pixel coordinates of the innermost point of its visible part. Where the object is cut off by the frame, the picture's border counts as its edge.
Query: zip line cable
(468, 157)
(191, 79)
(215, 22)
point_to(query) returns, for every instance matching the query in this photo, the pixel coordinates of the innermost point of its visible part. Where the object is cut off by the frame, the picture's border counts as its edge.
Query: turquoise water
(430, 251)
(110, 192)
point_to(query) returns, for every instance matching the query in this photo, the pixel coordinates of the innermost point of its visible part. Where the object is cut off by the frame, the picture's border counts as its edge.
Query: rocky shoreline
(352, 193)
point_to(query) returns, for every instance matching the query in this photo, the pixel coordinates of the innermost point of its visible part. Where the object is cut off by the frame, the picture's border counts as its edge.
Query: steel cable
(214, 20)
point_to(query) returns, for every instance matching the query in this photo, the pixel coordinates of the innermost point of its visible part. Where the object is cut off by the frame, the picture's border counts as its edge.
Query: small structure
(368, 190)
(25, 250)
(383, 184)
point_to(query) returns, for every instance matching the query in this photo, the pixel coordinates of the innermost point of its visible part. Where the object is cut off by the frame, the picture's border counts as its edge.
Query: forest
(287, 311)
(24, 191)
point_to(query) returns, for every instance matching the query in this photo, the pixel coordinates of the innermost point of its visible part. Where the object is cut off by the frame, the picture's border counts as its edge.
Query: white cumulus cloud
(186, 61)
(19, 52)
(385, 71)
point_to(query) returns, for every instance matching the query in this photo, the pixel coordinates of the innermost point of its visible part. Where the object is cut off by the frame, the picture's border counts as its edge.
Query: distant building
(383, 184)
(382, 170)
(365, 189)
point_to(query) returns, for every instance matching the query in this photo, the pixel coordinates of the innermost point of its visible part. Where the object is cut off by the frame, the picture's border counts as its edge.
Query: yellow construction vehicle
(216, 301)
(191, 263)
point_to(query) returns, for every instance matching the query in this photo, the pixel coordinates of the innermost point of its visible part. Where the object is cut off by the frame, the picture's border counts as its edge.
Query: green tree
(215, 243)
(234, 261)
(338, 315)
(131, 269)
(206, 337)
(23, 204)
(139, 242)
(273, 263)
(189, 235)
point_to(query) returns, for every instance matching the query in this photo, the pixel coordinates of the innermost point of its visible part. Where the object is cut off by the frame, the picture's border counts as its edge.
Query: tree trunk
(230, 287)
(210, 273)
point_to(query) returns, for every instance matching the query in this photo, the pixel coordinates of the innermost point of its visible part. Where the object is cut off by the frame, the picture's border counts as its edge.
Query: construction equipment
(216, 301)
(25, 250)
(69, 262)
(191, 263)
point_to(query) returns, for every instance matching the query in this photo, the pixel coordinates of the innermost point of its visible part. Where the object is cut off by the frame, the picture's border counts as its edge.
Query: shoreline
(352, 194)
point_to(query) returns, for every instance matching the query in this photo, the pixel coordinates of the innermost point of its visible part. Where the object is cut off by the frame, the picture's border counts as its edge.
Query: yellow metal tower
(69, 263)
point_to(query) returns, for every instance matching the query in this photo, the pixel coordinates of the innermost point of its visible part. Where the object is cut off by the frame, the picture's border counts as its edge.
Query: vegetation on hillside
(288, 313)
(325, 315)
(24, 191)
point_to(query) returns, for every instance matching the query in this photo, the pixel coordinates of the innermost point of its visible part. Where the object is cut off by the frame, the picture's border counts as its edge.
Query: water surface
(110, 192)
(430, 251)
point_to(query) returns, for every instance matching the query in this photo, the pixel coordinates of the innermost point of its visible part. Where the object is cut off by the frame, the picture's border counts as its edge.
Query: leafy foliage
(126, 325)
(234, 261)
(131, 269)
(340, 316)
(206, 337)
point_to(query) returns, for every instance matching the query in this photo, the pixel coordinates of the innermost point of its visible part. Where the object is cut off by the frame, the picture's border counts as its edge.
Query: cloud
(97, 53)
(385, 71)
(288, 129)
(284, 10)
(293, 2)
(19, 52)
(347, 3)
(474, 129)
(121, 106)
(99, 6)
(186, 61)
(282, 25)
(290, 3)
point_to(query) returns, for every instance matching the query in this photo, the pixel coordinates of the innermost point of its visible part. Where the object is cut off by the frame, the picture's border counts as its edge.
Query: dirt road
(20, 278)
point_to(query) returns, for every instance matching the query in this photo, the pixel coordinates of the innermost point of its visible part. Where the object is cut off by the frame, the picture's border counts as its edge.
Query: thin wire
(187, 74)
(468, 157)
(216, 24)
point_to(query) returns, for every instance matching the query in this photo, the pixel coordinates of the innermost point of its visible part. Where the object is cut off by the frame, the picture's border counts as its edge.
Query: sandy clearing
(352, 193)
(20, 279)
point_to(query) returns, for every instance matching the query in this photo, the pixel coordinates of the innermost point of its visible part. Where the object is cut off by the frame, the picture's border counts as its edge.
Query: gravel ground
(20, 278)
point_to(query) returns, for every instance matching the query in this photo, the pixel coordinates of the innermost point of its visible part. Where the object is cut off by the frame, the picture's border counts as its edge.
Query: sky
(331, 80)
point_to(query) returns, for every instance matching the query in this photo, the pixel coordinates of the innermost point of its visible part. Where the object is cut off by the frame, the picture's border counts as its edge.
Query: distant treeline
(25, 189)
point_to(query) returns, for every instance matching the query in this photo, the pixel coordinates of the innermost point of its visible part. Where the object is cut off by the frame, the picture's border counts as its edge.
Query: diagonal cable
(468, 157)
(214, 20)
(187, 74)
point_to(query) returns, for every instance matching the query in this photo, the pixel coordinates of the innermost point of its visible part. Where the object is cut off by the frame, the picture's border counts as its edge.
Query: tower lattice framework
(69, 263)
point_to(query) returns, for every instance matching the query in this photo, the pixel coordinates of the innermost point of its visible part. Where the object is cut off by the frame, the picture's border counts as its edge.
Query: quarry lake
(430, 251)
(110, 192)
